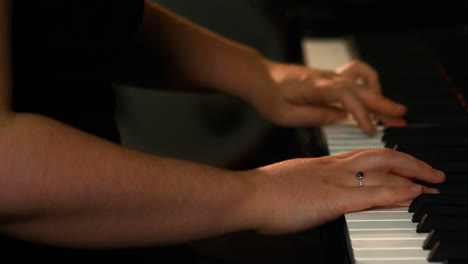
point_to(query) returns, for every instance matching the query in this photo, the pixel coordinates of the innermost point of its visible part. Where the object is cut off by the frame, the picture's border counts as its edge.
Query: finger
(330, 75)
(316, 115)
(379, 104)
(380, 179)
(342, 91)
(359, 70)
(354, 105)
(389, 181)
(391, 121)
(430, 190)
(403, 165)
(361, 198)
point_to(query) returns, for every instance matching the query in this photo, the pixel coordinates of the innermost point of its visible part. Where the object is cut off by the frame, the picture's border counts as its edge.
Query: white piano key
(342, 150)
(378, 216)
(382, 225)
(385, 209)
(346, 131)
(390, 254)
(353, 130)
(338, 151)
(399, 261)
(341, 138)
(386, 234)
(353, 145)
(345, 141)
(351, 126)
(329, 53)
(383, 235)
(387, 244)
(348, 136)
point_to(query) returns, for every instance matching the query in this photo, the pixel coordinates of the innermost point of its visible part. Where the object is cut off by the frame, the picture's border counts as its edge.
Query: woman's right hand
(297, 194)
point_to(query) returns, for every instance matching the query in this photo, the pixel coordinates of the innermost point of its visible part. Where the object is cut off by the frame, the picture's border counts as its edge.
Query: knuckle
(386, 154)
(307, 76)
(356, 62)
(380, 154)
(375, 73)
(387, 151)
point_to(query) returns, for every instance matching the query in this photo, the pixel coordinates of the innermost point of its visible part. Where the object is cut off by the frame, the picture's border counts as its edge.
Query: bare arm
(94, 193)
(62, 186)
(288, 95)
(170, 45)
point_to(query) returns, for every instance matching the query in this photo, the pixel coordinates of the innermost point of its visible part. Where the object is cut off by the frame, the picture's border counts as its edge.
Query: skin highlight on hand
(354, 88)
(302, 193)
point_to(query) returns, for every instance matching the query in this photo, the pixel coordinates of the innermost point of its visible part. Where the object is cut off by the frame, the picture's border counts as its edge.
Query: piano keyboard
(388, 234)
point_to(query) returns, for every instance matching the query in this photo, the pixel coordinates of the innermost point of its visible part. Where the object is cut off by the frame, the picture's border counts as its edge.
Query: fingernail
(439, 173)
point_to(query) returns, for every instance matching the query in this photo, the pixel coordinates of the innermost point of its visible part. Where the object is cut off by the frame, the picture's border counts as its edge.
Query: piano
(425, 70)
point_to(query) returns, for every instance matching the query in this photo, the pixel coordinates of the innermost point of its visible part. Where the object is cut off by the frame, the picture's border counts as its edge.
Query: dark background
(276, 28)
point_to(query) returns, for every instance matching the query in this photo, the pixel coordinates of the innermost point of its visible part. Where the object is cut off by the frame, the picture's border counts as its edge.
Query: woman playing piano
(65, 181)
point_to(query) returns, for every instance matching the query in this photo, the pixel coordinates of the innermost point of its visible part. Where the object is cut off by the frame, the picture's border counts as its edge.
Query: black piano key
(456, 177)
(455, 183)
(446, 251)
(453, 129)
(439, 209)
(430, 222)
(391, 132)
(437, 199)
(436, 113)
(449, 166)
(461, 140)
(424, 113)
(450, 235)
(455, 261)
(432, 151)
(435, 119)
(456, 129)
(448, 188)
(434, 156)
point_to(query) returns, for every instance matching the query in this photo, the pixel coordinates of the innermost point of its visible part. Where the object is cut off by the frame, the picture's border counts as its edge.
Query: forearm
(197, 55)
(62, 186)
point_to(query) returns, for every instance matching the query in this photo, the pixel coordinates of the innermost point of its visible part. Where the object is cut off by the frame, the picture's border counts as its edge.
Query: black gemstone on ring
(360, 174)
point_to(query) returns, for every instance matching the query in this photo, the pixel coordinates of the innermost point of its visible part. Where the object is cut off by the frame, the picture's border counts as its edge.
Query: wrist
(247, 213)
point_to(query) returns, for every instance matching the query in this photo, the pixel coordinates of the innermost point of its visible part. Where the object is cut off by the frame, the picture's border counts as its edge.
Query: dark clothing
(64, 52)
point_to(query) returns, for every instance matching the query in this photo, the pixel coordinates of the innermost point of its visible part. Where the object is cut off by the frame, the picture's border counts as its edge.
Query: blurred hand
(298, 194)
(303, 96)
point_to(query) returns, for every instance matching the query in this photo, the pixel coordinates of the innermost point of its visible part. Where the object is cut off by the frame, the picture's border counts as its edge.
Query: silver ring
(360, 175)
